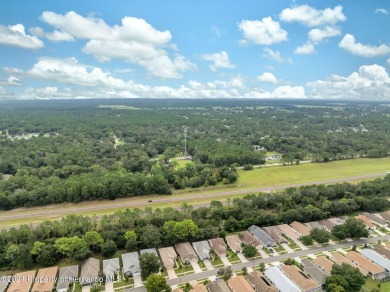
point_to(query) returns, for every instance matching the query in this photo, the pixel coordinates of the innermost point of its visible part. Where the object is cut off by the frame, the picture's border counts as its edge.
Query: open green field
(284, 175)
(372, 285)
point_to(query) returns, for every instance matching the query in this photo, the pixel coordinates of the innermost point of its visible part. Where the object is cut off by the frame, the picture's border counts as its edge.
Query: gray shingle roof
(89, 271)
(314, 271)
(65, 276)
(262, 236)
(3, 284)
(149, 250)
(202, 248)
(218, 286)
(131, 263)
(111, 267)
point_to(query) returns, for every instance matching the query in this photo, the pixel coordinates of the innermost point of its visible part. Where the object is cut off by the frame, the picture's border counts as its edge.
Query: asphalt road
(254, 263)
(46, 212)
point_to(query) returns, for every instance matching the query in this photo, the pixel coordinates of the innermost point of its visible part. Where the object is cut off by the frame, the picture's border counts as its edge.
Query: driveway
(86, 288)
(225, 261)
(137, 280)
(197, 268)
(242, 258)
(208, 265)
(109, 287)
(171, 273)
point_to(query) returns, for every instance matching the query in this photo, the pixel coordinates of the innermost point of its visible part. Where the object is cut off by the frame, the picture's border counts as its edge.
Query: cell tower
(185, 142)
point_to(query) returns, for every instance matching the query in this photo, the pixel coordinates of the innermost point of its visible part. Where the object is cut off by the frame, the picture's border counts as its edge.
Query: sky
(195, 49)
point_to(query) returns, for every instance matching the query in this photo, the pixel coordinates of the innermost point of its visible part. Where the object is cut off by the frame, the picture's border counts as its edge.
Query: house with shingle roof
(275, 233)
(248, 239)
(202, 248)
(265, 239)
(340, 259)
(149, 250)
(301, 279)
(239, 283)
(66, 276)
(234, 242)
(130, 263)
(111, 268)
(219, 246)
(186, 252)
(89, 272)
(260, 282)
(314, 271)
(289, 231)
(383, 251)
(168, 256)
(280, 280)
(374, 270)
(47, 279)
(22, 282)
(302, 229)
(328, 225)
(324, 263)
(218, 286)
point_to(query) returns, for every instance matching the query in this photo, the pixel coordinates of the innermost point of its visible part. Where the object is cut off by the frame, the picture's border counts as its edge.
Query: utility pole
(185, 141)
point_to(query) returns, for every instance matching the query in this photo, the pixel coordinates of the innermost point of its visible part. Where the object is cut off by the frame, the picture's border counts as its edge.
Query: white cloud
(388, 61)
(11, 81)
(267, 77)
(382, 11)
(317, 35)
(220, 60)
(262, 32)
(349, 44)
(134, 41)
(305, 49)
(284, 91)
(16, 36)
(311, 17)
(370, 82)
(275, 56)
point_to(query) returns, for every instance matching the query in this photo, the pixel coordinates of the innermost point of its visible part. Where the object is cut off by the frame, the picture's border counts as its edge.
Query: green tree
(68, 246)
(225, 272)
(150, 236)
(320, 235)
(131, 240)
(109, 248)
(346, 276)
(47, 256)
(37, 248)
(149, 263)
(94, 240)
(356, 228)
(249, 251)
(157, 283)
(340, 231)
(307, 240)
(262, 267)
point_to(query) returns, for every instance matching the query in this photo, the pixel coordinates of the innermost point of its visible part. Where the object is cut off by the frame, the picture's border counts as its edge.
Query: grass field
(284, 175)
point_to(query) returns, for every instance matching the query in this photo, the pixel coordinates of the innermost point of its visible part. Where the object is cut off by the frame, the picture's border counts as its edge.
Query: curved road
(75, 209)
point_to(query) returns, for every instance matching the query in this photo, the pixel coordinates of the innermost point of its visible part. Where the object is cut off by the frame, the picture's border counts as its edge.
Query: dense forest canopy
(58, 151)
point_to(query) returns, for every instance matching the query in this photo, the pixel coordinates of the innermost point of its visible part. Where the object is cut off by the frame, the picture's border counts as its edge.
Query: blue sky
(201, 49)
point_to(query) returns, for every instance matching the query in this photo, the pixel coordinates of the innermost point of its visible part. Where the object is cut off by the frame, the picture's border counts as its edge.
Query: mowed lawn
(310, 172)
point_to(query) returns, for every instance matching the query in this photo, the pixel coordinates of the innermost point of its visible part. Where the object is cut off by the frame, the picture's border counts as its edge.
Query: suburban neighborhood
(282, 262)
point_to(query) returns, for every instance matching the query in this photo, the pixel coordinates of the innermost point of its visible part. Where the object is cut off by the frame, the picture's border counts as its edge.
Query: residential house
(202, 248)
(339, 259)
(186, 252)
(67, 276)
(89, 272)
(336, 220)
(314, 271)
(301, 279)
(289, 231)
(383, 251)
(234, 242)
(376, 258)
(302, 229)
(385, 215)
(260, 283)
(47, 279)
(280, 280)
(21, 282)
(168, 256)
(328, 225)
(247, 238)
(199, 288)
(375, 271)
(324, 263)
(111, 268)
(219, 246)
(218, 286)
(314, 224)
(275, 233)
(375, 219)
(130, 262)
(178, 289)
(4, 282)
(262, 236)
(366, 221)
(239, 284)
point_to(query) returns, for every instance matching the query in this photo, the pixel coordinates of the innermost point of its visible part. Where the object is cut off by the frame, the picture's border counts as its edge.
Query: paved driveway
(242, 258)
(208, 265)
(137, 280)
(109, 287)
(171, 273)
(196, 267)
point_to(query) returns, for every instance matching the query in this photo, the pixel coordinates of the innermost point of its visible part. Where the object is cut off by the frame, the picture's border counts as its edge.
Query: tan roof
(168, 256)
(339, 259)
(186, 252)
(365, 220)
(219, 245)
(46, 280)
(364, 263)
(248, 238)
(239, 284)
(385, 215)
(324, 263)
(260, 282)
(22, 282)
(327, 224)
(199, 288)
(234, 243)
(302, 229)
(289, 231)
(383, 251)
(275, 233)
(177, 290)
(300, 278)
